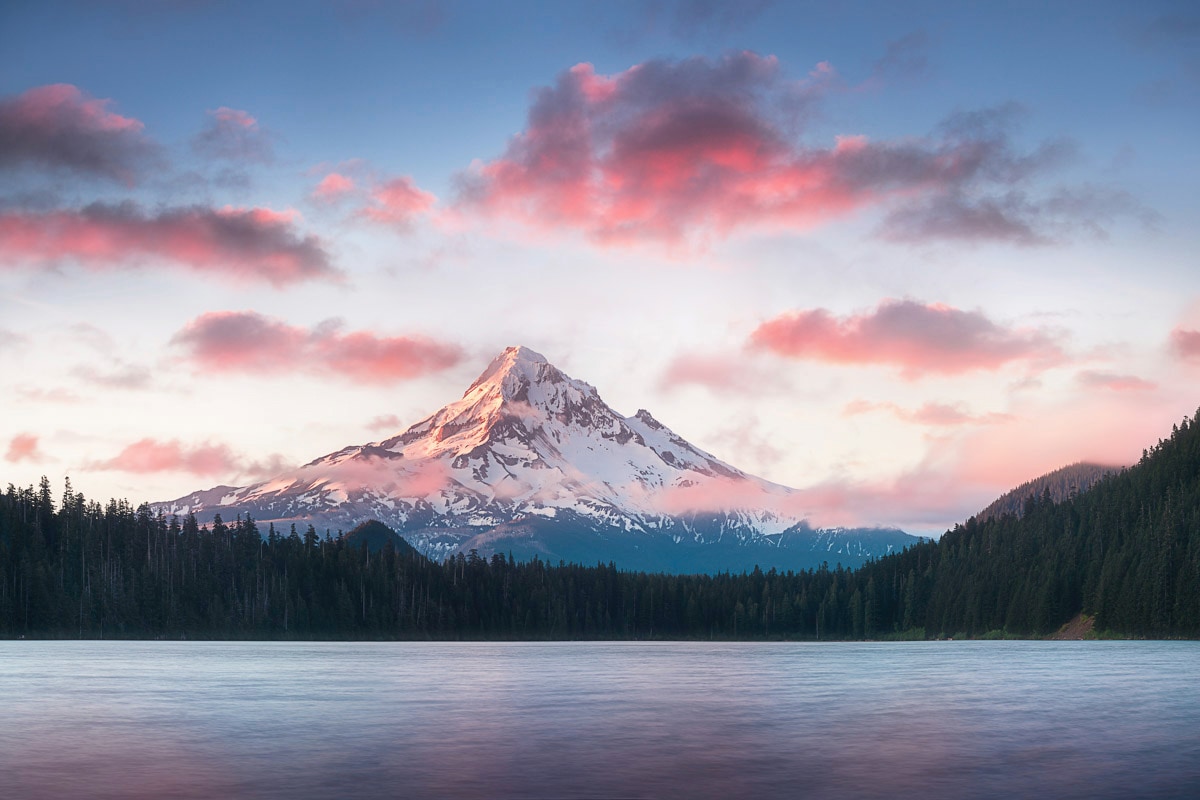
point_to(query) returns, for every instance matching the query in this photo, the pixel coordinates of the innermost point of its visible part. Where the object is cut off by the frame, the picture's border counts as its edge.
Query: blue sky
(903, 257)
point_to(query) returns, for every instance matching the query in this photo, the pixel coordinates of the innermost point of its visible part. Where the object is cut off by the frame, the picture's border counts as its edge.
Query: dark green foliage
(1127, 551)
(375, 536)
(1062, 484)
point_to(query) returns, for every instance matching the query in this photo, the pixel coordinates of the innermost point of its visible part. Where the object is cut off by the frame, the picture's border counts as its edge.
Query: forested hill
(1062, 484)
(1127, 551)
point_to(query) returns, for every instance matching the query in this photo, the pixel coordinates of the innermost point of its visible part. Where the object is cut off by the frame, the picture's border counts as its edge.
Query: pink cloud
(916, 337)
(679, 151)
(332, 188)
(120, 376)
(1113, 382)
(59, 126)
(1186, 343)
(722, 373)
(924, 499)
(151, 455)
(933, 414)
(965, 467)
(719, 494)
(244, 341)
(397, 202)
(246, 244)
(234, 135)
(384, 422)
(23, 447)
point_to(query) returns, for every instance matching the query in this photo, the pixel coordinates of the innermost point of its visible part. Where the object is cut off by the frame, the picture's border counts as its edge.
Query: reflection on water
(296, 720)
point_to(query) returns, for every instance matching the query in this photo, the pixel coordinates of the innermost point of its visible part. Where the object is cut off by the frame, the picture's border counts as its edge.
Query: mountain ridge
(526, 442)
(1062, 484)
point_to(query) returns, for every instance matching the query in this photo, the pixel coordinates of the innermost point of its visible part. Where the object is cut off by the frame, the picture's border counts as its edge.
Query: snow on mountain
(527, 456)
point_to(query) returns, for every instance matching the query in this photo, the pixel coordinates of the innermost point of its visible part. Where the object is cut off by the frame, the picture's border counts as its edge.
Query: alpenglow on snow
(532, 462)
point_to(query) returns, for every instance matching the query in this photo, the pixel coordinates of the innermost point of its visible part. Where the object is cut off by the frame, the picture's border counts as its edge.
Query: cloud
(904, 58)
(747, 442)
(255, 244)
(1014, 216)
(24, 447)
(233, 135)
(60, 127)
(1117, 383)
(690, 19)
(11, 339)
(933, 414)
(718, 372)
(244, 341)
(121, 376)
(681, 152)
(151, 455)
(36, 394)
(918, 338)
(1185, 343)
(384, 422)
(923, 499)
(397, 202)
(333, 188)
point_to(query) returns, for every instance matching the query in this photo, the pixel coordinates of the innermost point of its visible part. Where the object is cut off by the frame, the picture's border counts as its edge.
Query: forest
(1125, 552)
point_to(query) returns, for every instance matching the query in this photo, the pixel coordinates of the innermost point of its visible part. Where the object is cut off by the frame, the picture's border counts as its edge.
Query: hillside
(1127, 551)
(1061, 484)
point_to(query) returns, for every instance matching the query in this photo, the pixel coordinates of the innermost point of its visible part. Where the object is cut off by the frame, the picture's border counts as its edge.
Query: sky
(902, 257)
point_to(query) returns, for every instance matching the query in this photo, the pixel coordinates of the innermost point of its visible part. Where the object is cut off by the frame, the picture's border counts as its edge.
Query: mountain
(533, 462)
(1061, 484)
(1125, 553)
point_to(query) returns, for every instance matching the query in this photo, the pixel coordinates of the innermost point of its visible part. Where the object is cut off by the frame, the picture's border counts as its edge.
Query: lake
(606, 719)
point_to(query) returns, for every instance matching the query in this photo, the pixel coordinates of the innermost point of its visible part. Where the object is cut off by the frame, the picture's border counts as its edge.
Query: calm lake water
(299, 720)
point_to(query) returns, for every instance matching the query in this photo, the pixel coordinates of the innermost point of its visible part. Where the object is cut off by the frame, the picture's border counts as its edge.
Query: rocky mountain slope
(534, 462)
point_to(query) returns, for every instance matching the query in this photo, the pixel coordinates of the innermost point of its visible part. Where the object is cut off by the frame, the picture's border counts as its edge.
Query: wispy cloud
(233, 135)
(333, 188)
(397, 202)
(1094, 379)
(917, 338)
(1185, 343)
(245, 341)
(118, 376)
(250, 244)
(384, 423)
(213, 460)
(721, 372)
(24, 447)
(932, 414)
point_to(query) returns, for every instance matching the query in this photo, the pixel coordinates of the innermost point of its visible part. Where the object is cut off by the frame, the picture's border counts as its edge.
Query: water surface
(837, 720)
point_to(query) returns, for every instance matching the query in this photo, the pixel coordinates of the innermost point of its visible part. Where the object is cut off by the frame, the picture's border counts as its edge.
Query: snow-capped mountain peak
(524, 441)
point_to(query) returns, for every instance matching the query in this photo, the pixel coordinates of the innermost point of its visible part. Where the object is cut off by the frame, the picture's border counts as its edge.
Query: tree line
(1127, 551)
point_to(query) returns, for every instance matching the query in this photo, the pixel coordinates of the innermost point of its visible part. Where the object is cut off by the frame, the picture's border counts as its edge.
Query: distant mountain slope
(533, 462)
(1062, 484)
(1126, 552)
